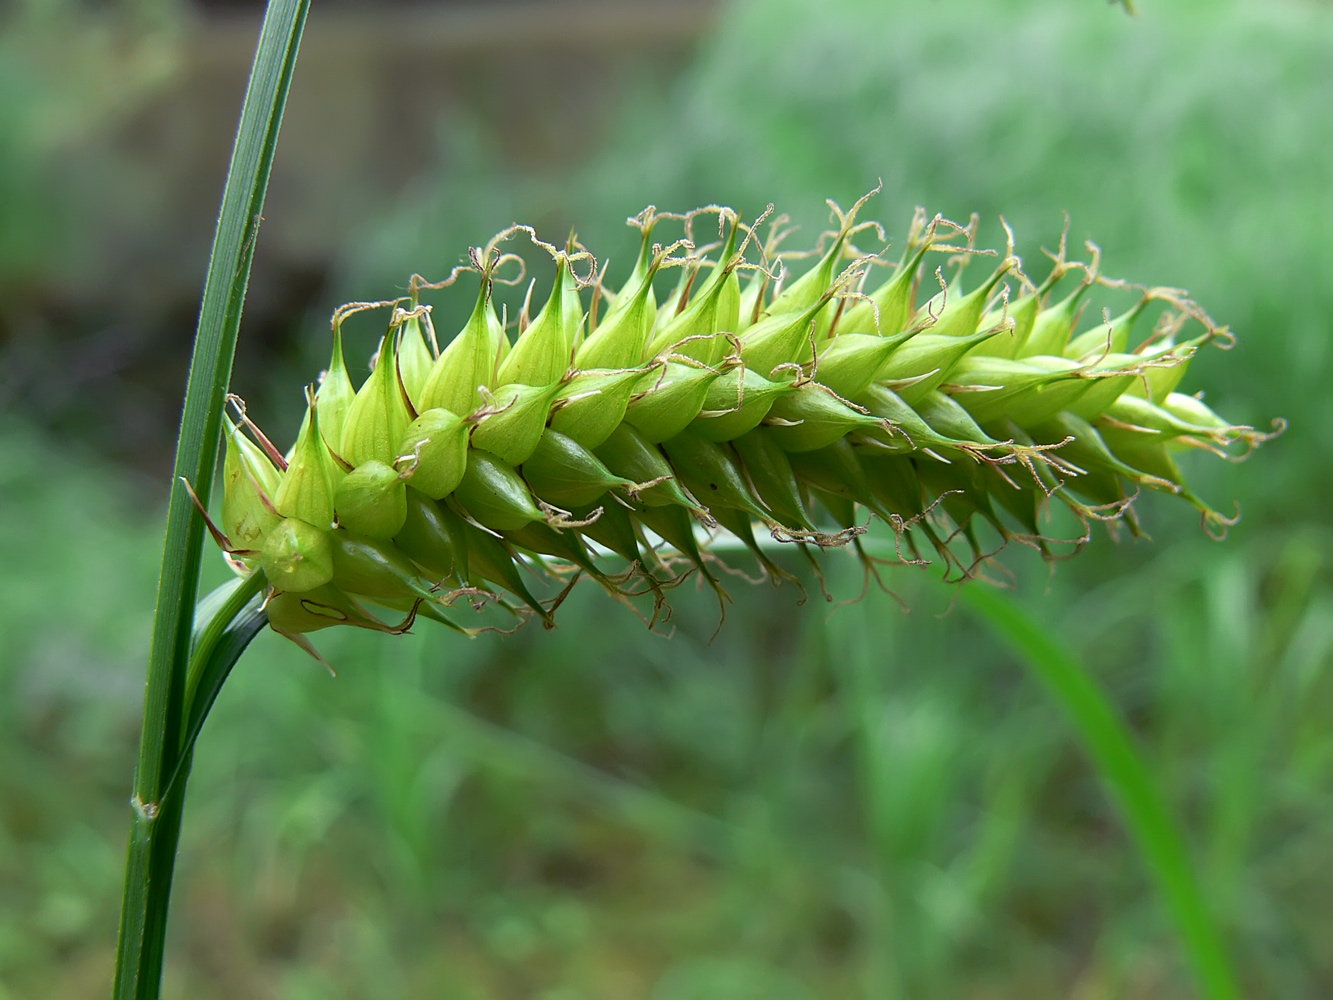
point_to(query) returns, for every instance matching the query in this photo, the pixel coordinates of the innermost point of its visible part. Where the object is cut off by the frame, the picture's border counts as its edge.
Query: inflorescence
(619, 435)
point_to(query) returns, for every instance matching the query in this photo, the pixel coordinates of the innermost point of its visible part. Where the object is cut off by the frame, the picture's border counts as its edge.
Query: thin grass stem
(157, 815)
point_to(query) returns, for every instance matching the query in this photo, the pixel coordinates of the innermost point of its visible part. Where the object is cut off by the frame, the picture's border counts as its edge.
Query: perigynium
(620, 434)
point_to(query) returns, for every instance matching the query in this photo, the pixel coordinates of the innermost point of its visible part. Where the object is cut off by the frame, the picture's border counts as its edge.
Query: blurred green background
(821, 802)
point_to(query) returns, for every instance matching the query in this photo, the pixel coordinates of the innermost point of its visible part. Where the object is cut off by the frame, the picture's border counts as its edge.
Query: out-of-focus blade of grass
(507, 752)
(1108, 742)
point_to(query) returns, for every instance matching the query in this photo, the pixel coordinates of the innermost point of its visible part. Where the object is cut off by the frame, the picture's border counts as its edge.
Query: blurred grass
(855, 804)
(1130, 783)
(66, 71)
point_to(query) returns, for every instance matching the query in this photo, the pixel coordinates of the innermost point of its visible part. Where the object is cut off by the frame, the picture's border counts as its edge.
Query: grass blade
(220, 645)
(235, 614)
(157, 816)
(1107, 740)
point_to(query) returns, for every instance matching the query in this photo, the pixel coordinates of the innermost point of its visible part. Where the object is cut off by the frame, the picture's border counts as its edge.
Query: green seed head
(622, 337)
(592, 404)
(468, 364)
(249, 482)
(297, 556)
(668, 398)
(1111, 337)
(960, 316)
(514, 423)
(780, 339)
(374, 568)
(378, 416)
(770, 471)
(630, 455)
(1166, 367)
(1023, 314)
(414, 359)
(698, 331)
(645, 222)
(679, 294)
(812, 417)
(336, 392)
(807, 410)
(371, 500)
(850, 362)
(712, 473)
(433, 452)
(307, 487)
(888, 309)
(1052, 327)
(295, 614)
(752, 299)
(543, 351)
(736, 403)
(1193, 412)
(495, 495)
(429, 537)
(564, 473)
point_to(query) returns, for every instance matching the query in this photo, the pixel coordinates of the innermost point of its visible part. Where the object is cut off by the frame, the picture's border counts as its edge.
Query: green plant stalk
(157, 814)
(218, 644)
(1109, 743)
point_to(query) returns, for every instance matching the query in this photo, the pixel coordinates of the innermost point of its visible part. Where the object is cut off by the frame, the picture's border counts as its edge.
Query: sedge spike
(611, 455)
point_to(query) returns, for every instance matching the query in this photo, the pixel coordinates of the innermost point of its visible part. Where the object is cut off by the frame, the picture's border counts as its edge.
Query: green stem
(218, 645)
(1108, 741)
(156, 831)
(156, 820)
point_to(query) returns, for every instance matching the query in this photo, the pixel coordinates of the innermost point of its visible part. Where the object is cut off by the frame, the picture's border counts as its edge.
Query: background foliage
(852, 802)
